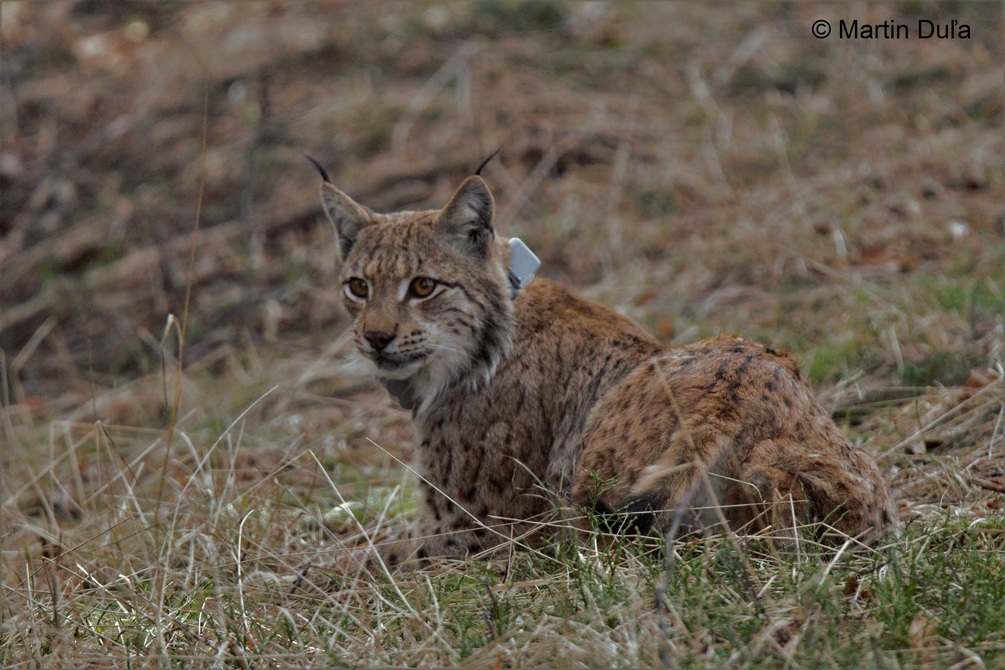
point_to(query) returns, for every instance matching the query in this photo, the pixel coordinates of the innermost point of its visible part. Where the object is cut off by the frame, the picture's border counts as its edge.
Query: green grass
(954, 578)
(250, 556)
(258, 570)
(941, 367)
(968, 296)
(831, 361)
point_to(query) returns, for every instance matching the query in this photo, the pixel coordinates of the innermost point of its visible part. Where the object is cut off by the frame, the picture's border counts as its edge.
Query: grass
(932, 597)
(252, 560)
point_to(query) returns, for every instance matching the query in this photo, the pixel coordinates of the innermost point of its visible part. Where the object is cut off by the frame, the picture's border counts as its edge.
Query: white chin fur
(429, 377)
(357, 363)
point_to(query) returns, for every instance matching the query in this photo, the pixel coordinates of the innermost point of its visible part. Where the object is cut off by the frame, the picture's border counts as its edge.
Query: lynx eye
(358, 287)
(422, 287)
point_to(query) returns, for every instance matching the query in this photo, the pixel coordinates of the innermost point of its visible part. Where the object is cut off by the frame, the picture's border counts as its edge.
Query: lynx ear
(348, 217)
(467, 218)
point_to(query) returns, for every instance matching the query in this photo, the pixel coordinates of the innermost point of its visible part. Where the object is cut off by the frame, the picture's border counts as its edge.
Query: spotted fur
(546, 399)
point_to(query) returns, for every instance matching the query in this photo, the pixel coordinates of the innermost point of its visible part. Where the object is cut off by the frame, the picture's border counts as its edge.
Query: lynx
(530, 398)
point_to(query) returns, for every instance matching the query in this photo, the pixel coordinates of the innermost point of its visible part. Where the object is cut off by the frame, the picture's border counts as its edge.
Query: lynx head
(428, 291)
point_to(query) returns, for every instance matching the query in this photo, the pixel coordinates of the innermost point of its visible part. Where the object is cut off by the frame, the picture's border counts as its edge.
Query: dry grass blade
(176, 400)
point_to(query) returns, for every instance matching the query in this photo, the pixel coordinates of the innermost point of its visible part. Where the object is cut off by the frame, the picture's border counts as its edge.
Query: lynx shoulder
(529, 399)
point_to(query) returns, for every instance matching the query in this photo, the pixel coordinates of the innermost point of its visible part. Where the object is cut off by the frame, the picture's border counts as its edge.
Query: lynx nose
(378, 339)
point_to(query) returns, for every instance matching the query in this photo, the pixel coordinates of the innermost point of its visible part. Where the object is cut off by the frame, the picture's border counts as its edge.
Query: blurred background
(700, 168)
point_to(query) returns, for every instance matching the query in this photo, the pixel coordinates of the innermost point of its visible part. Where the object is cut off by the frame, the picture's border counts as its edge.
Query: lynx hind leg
(839, 487)
(777, 502)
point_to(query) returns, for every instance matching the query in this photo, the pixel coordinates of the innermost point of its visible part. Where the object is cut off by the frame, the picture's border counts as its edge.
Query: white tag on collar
(523, 264)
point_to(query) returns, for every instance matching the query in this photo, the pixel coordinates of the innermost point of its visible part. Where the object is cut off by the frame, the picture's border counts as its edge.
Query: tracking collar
(523, 265)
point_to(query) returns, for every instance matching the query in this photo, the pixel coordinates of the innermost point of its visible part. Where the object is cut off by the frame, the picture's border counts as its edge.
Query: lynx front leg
(446, 530)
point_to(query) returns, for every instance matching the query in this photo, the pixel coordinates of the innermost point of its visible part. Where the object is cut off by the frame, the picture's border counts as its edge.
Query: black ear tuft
(321, 170)
(488, 160)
